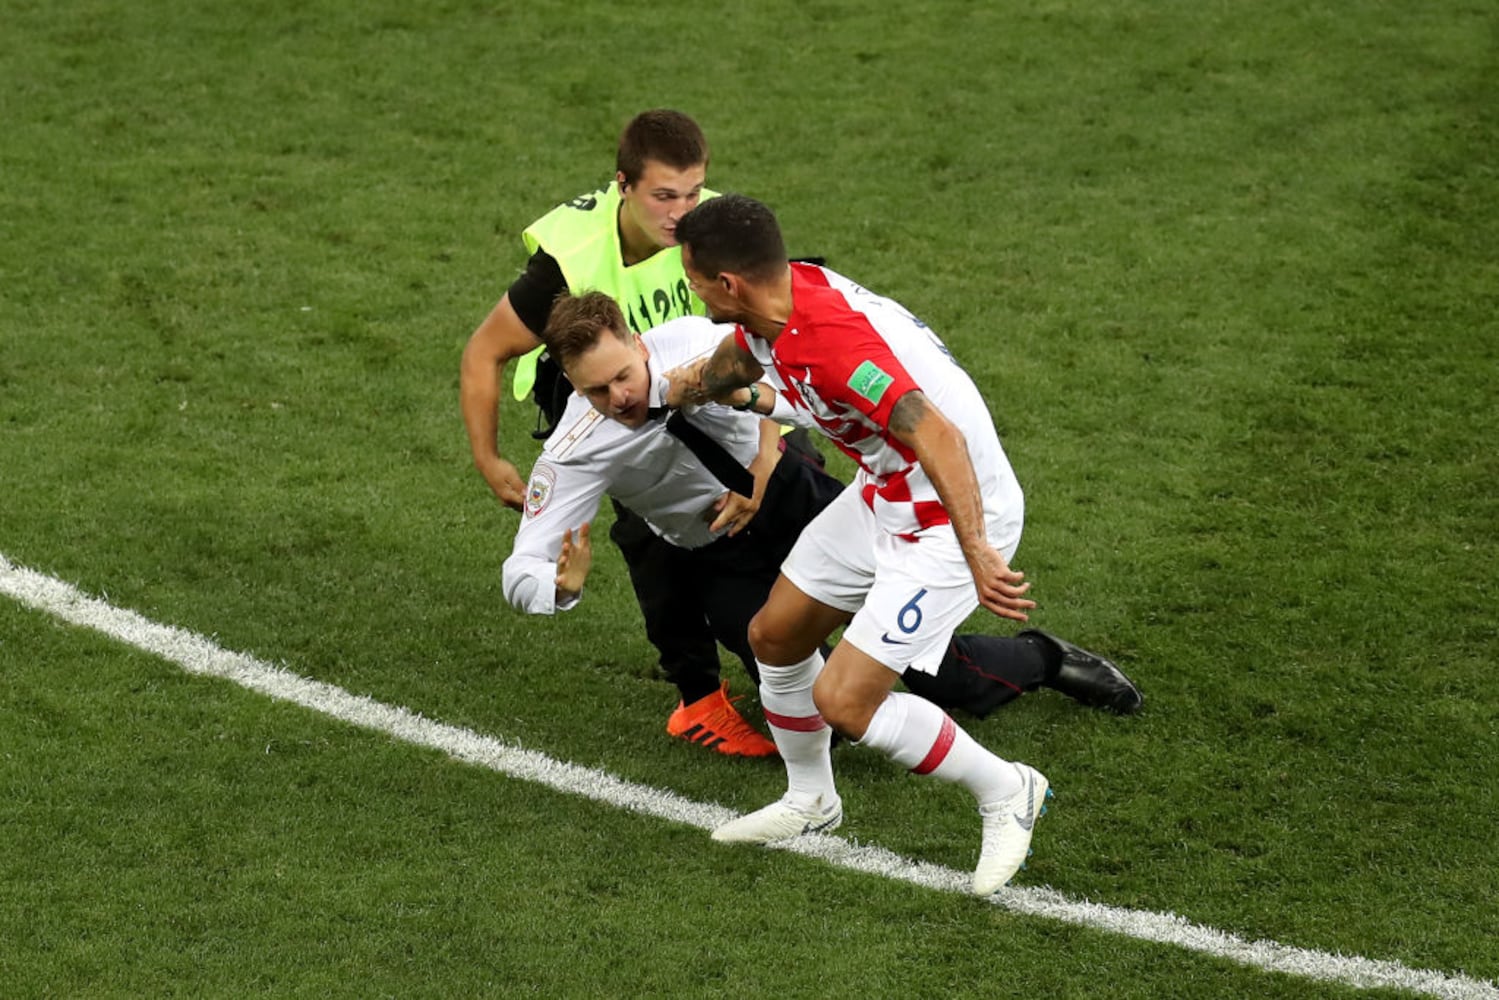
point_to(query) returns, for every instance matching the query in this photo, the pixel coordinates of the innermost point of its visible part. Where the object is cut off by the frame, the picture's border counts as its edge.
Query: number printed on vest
(586, 202)
(664, 304)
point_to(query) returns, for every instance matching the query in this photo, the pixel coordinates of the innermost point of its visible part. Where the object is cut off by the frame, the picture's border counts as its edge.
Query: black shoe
(1091, 679)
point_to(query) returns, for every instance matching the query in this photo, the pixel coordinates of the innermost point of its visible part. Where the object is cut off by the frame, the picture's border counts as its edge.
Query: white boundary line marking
(199, 655)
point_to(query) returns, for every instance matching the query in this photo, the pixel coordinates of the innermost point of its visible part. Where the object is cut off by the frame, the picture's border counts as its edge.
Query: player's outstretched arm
(943, 453)
(500, 338)
(730, 367)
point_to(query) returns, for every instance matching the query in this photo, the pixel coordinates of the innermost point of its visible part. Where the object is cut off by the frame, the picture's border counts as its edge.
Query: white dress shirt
(645, 468)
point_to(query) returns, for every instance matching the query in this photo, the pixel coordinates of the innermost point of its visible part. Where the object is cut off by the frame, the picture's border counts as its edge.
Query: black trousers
(676, 621)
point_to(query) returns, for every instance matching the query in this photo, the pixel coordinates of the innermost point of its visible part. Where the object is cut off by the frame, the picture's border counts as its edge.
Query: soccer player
(922, 536)
(728, 537)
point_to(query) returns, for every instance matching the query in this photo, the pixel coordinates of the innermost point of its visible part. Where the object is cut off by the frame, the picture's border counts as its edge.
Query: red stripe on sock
(938, 753)
(795, 723)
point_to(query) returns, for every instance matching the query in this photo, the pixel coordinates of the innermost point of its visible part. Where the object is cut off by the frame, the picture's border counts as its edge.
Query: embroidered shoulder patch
(870, 381)
(543, 478)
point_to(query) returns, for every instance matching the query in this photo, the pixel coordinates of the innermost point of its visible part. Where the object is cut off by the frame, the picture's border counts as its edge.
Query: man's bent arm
(500, 338)
(943, 453)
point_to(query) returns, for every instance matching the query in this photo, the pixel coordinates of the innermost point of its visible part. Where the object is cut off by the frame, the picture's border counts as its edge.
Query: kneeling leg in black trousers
(982, 672)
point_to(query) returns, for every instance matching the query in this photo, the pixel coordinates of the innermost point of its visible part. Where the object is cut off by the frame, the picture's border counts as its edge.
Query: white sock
(918, 735)
(800, 733)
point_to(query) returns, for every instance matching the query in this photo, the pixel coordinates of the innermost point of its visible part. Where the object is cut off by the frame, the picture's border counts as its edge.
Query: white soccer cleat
(1007, 831)
(780, 820)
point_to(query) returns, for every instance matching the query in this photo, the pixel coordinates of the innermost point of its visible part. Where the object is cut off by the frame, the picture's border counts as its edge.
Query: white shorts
(907, 598)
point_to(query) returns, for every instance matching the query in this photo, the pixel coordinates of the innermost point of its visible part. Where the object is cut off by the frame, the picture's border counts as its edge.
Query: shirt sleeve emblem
(543, 478)
(870, 381)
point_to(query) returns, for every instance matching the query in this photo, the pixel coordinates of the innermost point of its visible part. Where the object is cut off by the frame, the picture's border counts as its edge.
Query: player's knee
(841, 706)
(769, 643)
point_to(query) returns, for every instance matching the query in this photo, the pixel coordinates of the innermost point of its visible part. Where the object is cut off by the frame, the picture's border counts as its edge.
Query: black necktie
(708, 451)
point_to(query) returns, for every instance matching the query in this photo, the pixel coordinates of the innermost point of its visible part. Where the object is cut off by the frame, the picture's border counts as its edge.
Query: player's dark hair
(663, 135)
(579, 322)
(734, 233)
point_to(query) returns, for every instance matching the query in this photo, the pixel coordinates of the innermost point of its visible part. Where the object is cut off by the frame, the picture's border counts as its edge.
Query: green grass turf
(1227, 274)
(175, 835)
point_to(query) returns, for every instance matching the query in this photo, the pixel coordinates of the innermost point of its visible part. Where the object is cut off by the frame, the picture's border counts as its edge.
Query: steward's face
(662, 195)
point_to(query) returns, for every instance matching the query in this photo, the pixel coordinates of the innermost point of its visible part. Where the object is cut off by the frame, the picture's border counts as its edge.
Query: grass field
(1227, 273)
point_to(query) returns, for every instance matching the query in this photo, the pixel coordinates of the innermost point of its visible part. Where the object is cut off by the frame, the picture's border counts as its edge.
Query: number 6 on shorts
(910, 612)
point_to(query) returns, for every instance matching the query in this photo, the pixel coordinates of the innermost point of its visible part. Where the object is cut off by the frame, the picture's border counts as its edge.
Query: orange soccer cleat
(715, 723)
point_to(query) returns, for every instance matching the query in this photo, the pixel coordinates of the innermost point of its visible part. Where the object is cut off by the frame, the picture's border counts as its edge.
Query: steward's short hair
(666, 136)
(733, 233)
(578, 322)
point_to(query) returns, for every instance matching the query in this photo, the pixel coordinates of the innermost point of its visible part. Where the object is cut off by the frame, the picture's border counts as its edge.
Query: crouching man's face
(613, 376)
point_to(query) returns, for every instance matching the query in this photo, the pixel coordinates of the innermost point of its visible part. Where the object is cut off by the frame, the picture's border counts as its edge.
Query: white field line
(199, 655)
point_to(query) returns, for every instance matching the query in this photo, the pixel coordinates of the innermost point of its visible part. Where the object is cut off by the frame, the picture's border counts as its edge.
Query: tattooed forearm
(907, 412)
(729, 369)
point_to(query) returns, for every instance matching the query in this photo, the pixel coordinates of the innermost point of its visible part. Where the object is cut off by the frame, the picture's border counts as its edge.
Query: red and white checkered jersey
(846, 356)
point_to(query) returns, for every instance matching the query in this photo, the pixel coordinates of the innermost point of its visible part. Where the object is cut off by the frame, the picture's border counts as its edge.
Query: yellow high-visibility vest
(583, 237)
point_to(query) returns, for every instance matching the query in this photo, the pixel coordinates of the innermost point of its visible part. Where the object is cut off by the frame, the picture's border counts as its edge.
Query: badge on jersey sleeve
(543, 478)
(870, 381)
